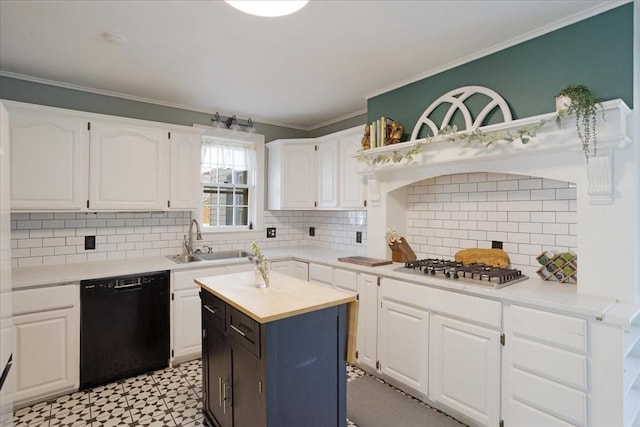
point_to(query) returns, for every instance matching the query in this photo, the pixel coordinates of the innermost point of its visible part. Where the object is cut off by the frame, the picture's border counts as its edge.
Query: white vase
(562, 103)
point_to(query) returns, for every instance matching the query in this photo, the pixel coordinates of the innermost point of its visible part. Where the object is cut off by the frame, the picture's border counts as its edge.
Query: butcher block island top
(285, 297)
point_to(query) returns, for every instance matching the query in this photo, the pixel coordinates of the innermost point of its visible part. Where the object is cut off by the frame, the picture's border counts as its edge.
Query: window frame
(256, 203)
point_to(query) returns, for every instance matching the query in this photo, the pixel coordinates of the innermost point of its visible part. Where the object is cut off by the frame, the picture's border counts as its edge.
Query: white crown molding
(501, 46)
(339, 119)
(138, 98)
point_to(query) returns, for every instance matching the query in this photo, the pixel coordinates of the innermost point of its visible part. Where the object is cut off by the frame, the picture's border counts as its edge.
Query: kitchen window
(231, 178)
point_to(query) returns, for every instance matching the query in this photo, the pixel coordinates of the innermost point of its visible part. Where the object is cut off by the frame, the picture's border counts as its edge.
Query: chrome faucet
(188, 244)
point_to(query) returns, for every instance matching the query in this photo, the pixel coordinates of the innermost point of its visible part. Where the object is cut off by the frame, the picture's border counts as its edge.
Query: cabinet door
(247, 397)
(352, 184)
(403, 343)
(128, 167)
(328, 174)
(216, 370)
(186, 321)
(367, 337)
(49, 153)
(184, 189)
(299, 178)
(46, 353)
(464, 368)
(301, 270)
(187, 340)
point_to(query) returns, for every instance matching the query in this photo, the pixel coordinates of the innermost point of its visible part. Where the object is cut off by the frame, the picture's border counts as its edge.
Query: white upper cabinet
(316, 172)
(292, 174)
(184, 190)
(352, 184)
(128, 167)
(64, 160)
(328, 174)
(49, 152)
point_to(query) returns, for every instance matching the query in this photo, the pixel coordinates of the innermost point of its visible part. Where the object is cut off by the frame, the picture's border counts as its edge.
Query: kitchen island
(273, 356)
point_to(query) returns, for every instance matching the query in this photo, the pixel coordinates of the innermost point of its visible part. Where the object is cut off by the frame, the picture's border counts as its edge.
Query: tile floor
(170, 397)
(165, 398)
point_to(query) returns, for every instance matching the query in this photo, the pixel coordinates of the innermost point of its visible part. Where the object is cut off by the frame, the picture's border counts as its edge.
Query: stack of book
(380, 131)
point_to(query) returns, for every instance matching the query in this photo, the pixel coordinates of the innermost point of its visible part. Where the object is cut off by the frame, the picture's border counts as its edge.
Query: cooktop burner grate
(479, 274)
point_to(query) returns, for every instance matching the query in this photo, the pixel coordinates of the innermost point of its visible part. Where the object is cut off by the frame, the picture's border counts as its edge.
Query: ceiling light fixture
(232, 123)
(268, 8)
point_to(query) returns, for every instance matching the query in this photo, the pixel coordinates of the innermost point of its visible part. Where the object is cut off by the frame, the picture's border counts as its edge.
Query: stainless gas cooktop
(478, 274)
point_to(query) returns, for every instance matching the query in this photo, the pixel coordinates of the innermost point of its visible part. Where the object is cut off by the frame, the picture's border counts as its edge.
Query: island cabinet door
(216, 369)
(247, 391)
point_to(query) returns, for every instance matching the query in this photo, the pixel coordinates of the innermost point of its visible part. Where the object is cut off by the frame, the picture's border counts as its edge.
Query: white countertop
(534, 292)
(285, 297)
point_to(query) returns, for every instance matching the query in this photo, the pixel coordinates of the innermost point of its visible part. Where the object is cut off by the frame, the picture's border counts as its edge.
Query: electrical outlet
(89, 243)
(358, 236)
(496, 244)
(312, 231)
(271, 232)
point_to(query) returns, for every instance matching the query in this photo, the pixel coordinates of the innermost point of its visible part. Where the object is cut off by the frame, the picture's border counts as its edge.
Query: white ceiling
(303, 70)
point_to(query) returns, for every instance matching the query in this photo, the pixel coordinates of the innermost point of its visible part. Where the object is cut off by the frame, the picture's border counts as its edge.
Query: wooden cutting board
(363, 260)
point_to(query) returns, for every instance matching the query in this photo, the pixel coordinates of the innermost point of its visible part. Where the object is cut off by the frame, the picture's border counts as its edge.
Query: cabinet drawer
(564, 331)
(345, 279)
(214, 307)
(243, 329)
(185, 279)
(477, 310)
(558, 400)
(42, 299)
(553, 363)
(321, 274)
(522, 415)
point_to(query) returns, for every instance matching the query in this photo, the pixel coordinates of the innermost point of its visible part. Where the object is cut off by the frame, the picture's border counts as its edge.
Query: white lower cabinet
(545, 374)
(186, 338)
(284, 267)
(345, 280)
(321, 274)
(301, 270)
(46, 342)
(294, 268)
(464, 367)
(403, 345)
(367, 335)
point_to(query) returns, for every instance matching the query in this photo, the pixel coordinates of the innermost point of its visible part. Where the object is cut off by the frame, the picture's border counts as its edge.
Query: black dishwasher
(124, 327)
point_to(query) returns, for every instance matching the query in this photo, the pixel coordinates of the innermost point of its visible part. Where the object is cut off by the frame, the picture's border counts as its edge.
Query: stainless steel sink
(222, 255)
(183, 259)
(215, 256)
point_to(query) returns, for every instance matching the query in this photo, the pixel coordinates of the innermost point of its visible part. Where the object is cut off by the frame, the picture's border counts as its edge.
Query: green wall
(38, 93)
(597, 52)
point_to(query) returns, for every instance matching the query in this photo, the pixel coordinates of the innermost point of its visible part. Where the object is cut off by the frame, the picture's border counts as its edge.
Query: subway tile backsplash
(528, 214)
(58, 238)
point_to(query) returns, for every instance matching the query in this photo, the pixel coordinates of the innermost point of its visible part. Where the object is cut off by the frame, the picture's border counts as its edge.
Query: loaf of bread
(491, 257)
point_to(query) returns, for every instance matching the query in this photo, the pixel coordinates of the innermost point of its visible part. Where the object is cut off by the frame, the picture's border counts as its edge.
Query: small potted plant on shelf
(579, 101)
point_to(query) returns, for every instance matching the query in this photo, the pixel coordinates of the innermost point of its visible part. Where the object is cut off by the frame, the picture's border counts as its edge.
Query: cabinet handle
(237, 330)
(219, 391)
(224, 397)
(209, 309)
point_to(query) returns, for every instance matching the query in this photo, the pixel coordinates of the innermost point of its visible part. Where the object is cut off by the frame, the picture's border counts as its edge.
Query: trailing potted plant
(579, 101)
